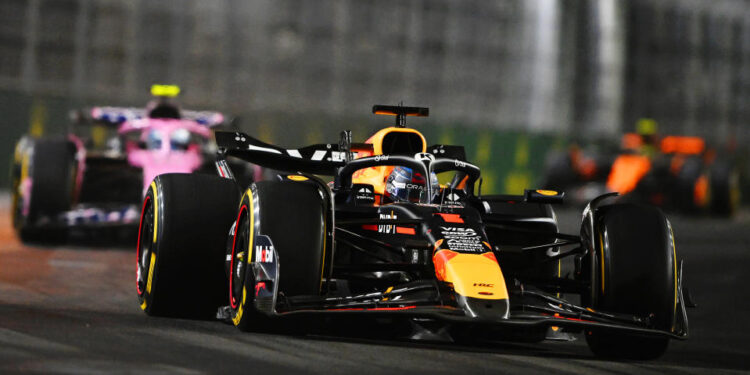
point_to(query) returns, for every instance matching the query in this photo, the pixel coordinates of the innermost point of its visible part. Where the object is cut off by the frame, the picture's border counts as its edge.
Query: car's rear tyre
(293, 215)
(559, 173)
(725, 188)
(690, 194)
(43, 188)
(635, 274)
(181, 238)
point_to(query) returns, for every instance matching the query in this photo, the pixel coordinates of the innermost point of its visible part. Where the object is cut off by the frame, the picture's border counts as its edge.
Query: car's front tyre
(293, 216)
(182, 233)
(635, 274)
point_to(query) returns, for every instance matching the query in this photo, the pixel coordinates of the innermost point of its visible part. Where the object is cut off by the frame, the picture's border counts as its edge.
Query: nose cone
(488, 309)
(477, 281)
(472, 275)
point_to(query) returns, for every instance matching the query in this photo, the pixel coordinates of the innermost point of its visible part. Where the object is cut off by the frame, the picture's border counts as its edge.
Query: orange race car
(676, 172)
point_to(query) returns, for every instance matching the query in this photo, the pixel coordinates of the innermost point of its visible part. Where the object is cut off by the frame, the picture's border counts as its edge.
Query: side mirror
(543, 196)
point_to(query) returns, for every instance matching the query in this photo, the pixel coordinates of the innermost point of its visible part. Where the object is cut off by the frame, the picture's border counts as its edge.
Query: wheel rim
(239, 259)
(145, 245)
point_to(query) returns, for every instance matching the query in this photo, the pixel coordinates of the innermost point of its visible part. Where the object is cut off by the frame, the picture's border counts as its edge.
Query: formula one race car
(674, 172)
(403, 232)
(82, 180)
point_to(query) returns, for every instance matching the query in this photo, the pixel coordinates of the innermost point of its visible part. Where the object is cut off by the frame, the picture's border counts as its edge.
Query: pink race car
(97, 180)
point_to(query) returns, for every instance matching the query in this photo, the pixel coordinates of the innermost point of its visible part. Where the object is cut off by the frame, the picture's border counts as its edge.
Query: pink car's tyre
(181, 243)
(48, 167)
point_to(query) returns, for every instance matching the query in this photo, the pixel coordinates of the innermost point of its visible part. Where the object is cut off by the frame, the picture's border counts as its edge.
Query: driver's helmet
(163, 109)
(154, 139)
(180, 139)
(405, 185)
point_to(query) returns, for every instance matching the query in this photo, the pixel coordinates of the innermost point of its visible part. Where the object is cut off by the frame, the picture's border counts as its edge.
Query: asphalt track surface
(73, 309)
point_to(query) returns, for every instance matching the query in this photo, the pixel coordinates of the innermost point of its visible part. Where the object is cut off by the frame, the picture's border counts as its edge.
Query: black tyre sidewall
(292, 215)
(722, 179)
(50, 165)
(692, 170)
(637, 244)
(194, 214)
(52, 171)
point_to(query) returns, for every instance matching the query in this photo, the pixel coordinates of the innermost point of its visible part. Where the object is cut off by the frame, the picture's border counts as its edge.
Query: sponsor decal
(319, 154)
(381, 157)
(338, 156)
(296, 177)
(263, 250)
(264, 254)
(387, 228)
(365, 194)
(459, 163)
(423, 156)
(484, 285)
(462, 239)
(407, 185)
(451, 199)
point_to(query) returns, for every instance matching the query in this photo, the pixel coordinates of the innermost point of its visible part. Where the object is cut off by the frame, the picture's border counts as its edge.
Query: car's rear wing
(118, 115)
(400, 112)
(395, 110)
(323, 159)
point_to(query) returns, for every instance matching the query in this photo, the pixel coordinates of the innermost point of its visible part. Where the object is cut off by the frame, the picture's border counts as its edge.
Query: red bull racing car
(403, 232)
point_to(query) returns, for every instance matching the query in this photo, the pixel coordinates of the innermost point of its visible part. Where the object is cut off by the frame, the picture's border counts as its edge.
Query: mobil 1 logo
(264, 251)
